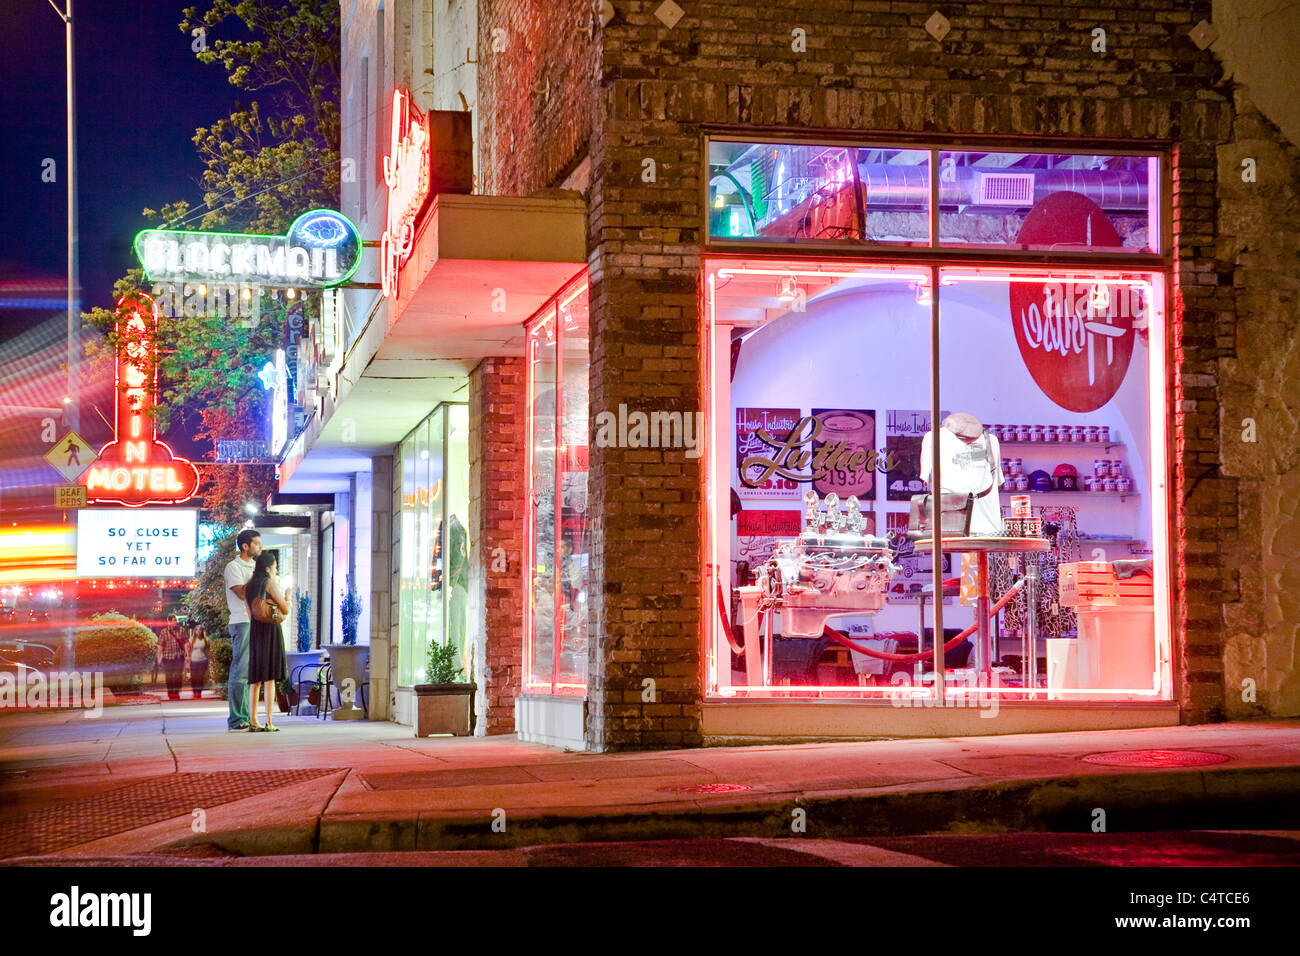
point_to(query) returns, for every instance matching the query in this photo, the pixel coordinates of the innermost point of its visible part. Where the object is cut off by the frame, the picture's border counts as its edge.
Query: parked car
(33, 656)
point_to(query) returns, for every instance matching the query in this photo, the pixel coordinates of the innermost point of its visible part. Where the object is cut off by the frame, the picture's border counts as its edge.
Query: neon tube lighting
(952, 278)
(888, 273)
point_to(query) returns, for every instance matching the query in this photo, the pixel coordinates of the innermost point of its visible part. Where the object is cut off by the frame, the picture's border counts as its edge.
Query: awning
(480, 267)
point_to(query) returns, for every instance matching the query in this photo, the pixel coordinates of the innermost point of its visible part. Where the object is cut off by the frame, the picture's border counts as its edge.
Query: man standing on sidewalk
(171, 655)
(238, 571)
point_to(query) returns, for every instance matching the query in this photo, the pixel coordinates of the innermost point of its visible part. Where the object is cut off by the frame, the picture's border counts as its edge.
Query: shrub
(119, 646)
(350, 611)
(304, 621)
(220, 657)
(442, 667)
(206, 603)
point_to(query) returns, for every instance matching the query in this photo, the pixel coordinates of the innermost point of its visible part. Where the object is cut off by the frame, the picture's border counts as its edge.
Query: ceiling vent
(1005, 189)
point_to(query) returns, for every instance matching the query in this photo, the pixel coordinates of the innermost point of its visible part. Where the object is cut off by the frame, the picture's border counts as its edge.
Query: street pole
(73, 395)
(71, 398)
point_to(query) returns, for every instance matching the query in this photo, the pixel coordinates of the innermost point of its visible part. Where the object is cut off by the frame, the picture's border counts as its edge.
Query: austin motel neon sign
(407, 173)
(136, 468)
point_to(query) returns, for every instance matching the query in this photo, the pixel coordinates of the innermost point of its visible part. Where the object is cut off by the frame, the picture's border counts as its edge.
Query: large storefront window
(1052, 447)
(824, 193)
(434, 572)
(555, 652)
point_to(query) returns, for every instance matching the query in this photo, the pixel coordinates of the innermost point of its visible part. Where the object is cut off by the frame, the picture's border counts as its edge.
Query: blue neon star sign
(268, 376)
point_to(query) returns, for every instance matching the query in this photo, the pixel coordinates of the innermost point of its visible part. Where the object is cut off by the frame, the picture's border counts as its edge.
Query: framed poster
(849, 465)
(776, 424)
(904, 431)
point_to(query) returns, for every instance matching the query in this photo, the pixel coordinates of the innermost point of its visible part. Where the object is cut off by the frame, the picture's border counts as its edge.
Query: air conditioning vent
(1005, 189)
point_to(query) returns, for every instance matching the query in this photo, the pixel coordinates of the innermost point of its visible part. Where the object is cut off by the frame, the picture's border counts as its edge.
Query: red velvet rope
(836, 636)
(726, 624)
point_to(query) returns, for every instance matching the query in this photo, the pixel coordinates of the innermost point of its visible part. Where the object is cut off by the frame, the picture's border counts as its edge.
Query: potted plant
(284, 696)
(350, 662)
(301, 664)
(444, 705)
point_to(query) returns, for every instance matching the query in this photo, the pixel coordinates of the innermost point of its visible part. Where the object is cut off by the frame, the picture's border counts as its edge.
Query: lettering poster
(853, 470)
(777, 423)
(904, 431)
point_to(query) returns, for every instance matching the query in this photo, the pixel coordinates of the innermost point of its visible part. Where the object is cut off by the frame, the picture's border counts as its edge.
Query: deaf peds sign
(136, 543)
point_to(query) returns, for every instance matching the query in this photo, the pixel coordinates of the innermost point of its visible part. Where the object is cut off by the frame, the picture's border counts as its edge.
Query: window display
(823, 193)
(433, 576)
(1051, 434)
(555, 612)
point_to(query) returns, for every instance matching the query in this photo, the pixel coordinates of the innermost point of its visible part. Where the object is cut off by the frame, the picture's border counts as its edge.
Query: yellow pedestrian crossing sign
(71, 456)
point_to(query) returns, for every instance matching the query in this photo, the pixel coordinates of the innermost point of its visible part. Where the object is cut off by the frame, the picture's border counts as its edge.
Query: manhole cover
(708, 788)
(1156, 758)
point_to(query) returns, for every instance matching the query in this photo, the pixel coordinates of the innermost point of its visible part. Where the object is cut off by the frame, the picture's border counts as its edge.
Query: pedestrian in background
(198, 650)
(171, 655)
(237, 573)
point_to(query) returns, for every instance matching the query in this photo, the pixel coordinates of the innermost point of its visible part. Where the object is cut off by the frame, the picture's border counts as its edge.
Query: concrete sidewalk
(166, 776)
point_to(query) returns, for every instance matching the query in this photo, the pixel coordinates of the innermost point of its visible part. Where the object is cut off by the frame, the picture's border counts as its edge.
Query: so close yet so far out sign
(130, 543)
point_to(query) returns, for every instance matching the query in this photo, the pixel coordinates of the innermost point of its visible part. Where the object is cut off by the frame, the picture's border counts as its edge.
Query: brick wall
(1258, 254)
(1003, 69)
(536, 89)
(496, 515)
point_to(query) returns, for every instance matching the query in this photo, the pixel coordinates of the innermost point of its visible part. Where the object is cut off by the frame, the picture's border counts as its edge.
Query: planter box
(350, 662)
(444, 709)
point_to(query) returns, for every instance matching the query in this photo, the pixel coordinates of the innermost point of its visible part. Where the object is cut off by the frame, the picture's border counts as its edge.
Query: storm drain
(139, 804)
(1158, 759)
(708, 788)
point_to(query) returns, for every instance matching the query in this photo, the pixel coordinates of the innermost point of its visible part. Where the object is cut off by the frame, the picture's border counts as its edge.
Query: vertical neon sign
(407, 173)
(136, 468)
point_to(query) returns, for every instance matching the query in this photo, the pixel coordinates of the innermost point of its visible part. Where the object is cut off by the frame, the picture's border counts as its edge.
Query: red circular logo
(1076, 337)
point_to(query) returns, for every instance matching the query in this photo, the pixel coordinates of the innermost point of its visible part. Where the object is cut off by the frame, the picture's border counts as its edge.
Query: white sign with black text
(136, 542)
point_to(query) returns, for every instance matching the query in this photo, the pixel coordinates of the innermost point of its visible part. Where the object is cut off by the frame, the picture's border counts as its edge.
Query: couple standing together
(257, 647)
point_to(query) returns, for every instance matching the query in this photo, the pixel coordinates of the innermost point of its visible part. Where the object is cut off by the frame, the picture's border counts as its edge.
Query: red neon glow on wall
(407, 173)
(136, 468)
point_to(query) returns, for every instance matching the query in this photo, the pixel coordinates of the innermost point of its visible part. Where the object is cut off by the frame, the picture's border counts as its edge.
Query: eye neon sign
(136, 468)
(407, 173)
(321, 249)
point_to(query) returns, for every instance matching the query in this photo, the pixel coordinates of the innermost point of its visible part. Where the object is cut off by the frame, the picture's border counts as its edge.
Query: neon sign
(279, 405)
(321, 249)
(407, 173)
(136, 468)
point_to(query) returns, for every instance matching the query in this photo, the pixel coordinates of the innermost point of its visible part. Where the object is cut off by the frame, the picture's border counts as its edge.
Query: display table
(981, 546)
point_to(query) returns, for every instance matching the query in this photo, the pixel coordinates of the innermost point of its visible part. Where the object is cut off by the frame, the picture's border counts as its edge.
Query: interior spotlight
(291, 293)
(250, 508)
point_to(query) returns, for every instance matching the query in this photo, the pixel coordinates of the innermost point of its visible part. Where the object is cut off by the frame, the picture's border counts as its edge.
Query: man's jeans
(237, 687)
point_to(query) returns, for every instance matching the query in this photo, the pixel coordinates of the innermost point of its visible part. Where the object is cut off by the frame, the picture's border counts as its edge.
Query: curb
(1242, 798)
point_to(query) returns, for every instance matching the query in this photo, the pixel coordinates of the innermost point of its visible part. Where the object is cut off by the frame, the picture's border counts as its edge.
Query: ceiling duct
(888, 185)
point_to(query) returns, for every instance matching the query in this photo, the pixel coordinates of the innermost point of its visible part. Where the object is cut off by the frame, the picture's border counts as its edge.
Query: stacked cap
(1066, 477)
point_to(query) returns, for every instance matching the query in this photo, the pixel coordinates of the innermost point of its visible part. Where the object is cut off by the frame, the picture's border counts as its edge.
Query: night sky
(141, 93)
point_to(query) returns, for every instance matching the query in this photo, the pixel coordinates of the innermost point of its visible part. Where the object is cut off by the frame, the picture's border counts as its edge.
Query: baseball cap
(1040, 481)
(1066, 477)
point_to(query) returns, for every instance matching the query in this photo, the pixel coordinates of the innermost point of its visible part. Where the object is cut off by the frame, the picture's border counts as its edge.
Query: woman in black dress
(265, 640)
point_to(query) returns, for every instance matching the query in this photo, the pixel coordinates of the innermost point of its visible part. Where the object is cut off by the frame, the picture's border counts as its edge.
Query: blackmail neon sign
(136, 468)
(407, 173)
(321, 249)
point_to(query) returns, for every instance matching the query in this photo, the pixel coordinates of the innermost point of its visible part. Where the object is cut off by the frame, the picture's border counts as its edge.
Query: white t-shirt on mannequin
(965, 469)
